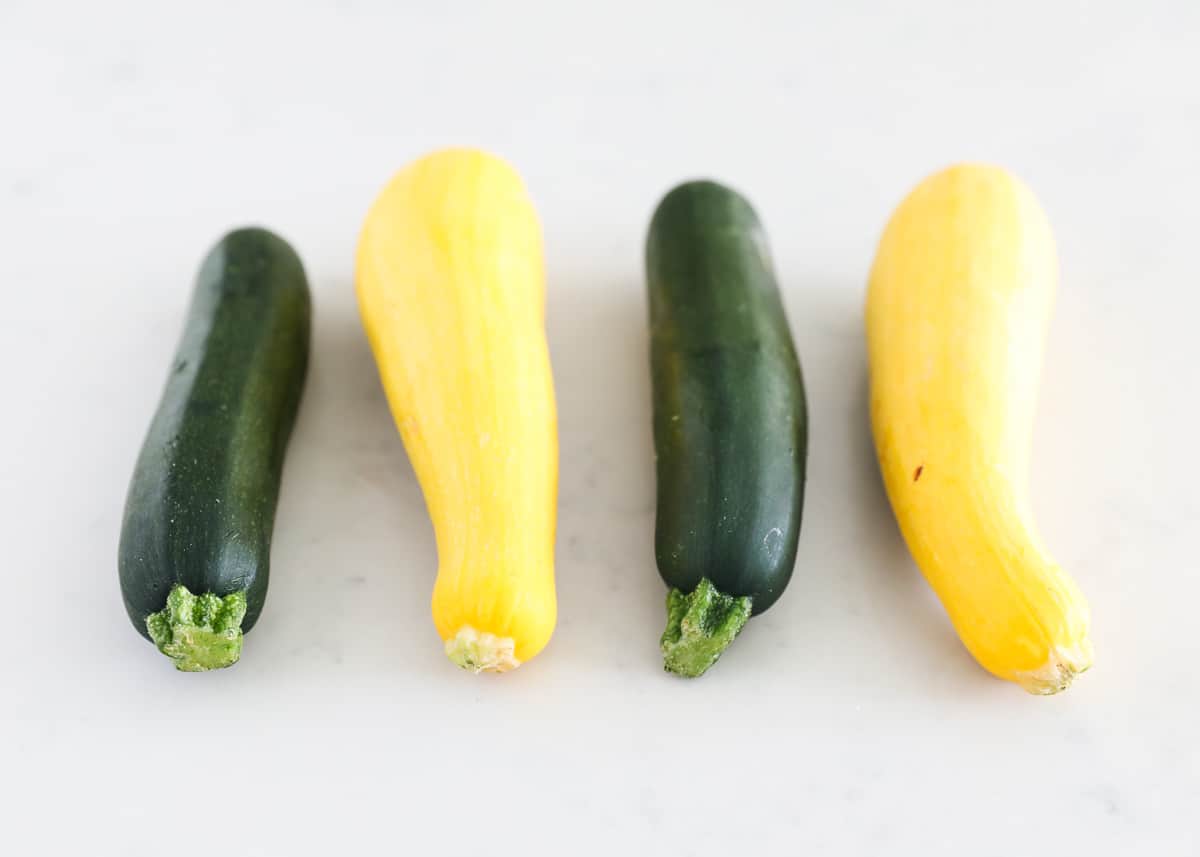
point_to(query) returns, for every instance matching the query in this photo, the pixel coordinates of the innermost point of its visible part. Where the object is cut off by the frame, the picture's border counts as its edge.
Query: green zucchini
(196, 539)
(730, 422)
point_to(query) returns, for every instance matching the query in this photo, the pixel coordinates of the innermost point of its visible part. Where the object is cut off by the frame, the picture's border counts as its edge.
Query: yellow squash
(959, 300)
(452, 293)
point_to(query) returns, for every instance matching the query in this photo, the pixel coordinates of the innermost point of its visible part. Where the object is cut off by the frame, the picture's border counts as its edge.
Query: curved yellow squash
(452, 293)
(959, 300)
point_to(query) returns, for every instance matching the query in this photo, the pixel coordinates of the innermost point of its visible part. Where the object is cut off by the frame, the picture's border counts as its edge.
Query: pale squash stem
(1056, 675)
(700, 626)
(482, 652)
(199, 632)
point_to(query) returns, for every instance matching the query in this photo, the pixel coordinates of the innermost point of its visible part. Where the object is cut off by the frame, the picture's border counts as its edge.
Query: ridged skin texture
(452, 294)
(958, 305)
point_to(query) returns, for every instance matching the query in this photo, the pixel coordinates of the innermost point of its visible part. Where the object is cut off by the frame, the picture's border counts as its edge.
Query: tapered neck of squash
(199, 632)
(700, 626)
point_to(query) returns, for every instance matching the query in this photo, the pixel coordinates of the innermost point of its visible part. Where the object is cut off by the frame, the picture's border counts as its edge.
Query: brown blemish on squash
(917, 473)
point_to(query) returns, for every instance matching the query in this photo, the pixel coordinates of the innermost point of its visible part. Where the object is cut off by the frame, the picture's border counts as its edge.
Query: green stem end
(199, 632)
(700, 626)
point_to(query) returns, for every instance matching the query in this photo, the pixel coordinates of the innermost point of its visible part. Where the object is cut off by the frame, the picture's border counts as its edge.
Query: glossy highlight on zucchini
(196, 539)
(730, 421)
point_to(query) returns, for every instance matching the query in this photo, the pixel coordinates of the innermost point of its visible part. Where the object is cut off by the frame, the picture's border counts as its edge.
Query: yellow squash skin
(451, 288)
(958, 305)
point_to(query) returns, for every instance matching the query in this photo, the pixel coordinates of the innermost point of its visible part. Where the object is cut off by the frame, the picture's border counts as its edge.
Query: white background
(848, 719)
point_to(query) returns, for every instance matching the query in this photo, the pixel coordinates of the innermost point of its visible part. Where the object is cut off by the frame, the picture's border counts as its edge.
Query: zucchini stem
(199, 632)
(700, 626)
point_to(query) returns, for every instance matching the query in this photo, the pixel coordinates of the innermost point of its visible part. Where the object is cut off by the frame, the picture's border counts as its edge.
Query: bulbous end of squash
(478, 652)
(700, 626)
(1059, 671)
(199, 632)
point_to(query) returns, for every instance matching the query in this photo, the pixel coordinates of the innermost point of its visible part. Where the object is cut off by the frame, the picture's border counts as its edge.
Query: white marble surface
(848, 720)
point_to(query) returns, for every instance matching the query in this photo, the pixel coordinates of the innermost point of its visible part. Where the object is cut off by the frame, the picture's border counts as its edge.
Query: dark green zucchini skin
(201, 505)
(730, 421)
